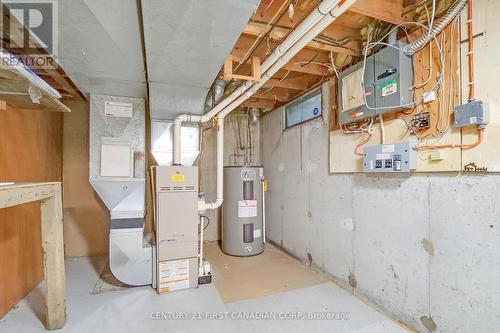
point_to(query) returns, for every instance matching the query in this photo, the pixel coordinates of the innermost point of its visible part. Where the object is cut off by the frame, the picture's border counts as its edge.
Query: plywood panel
(487, 66)
(30, 150)
(86, 218)
(342, 146)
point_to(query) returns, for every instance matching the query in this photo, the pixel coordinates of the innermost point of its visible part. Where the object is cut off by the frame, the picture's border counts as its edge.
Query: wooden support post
(53, 246)
(52, 241)
(228, 70)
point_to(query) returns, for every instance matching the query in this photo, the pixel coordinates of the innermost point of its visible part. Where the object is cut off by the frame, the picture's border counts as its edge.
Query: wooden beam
(271, 96)
(313, 69)
(52, 241)
(287, 84)
(278, 33)
(386, 10)
(229, 75)
(258, 103)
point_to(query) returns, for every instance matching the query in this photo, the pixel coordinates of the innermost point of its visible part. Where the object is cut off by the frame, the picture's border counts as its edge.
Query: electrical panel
(387, 76)
(473, 113)
(398, 157)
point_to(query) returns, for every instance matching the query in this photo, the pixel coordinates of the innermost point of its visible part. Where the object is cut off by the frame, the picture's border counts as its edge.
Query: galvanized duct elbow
(439, 26)
(215, 94)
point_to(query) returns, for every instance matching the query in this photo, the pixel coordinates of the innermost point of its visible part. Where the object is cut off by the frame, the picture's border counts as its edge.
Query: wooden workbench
(52, 241)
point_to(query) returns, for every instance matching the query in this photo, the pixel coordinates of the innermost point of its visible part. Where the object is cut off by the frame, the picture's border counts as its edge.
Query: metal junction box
(397, 157)
(388, 75)
(473, 113)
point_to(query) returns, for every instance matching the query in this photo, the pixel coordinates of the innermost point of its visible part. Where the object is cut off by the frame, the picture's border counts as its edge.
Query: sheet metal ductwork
(117, 173)
(187, 42)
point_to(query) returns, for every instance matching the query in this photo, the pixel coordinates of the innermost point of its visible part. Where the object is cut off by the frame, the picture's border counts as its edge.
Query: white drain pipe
(307, 24)
(313, 25)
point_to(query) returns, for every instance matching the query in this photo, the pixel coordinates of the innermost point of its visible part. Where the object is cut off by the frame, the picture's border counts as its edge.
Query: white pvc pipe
(220, 165)
(283, 60)
(296, 35)
(263, 212)
(200, 264)
(233, 101)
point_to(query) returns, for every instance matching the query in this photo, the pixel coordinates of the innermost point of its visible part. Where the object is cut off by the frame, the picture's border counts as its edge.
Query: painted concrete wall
(419, 245)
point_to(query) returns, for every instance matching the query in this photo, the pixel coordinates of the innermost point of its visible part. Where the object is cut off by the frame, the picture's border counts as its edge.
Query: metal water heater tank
(242, 220)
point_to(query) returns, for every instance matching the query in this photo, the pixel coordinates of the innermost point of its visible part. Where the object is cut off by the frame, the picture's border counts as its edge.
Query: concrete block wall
(425, 248)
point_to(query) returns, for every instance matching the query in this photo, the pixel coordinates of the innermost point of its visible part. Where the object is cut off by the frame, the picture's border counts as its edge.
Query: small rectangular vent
(189, 187)
(177, 188)
(165, 188)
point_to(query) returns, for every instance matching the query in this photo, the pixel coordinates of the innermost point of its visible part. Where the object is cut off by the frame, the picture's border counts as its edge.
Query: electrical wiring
(370, 45)
(313, 63)
(480, 139)
(361, 144)
(480, 130)
(281, 80)
(431, 62)
(382, 128)
(269, 27)
(337, 72)
(208, 221)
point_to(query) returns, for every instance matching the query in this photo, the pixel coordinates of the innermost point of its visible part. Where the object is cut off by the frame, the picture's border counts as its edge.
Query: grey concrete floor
(197, 310)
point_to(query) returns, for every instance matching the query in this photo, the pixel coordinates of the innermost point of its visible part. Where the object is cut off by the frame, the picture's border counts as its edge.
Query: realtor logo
(30, 30)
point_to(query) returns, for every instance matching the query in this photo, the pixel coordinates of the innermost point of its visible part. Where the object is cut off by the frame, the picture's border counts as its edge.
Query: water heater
(242, 220)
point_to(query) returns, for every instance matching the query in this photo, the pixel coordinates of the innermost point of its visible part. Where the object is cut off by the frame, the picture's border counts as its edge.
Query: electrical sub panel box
(473, 113)
(388, 75)
(398, 157)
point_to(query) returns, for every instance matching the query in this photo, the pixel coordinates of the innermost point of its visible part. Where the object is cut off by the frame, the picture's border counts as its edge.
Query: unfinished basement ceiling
(100, 46)
(186, 44)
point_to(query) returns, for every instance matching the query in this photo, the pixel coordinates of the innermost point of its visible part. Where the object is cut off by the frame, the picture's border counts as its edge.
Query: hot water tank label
(257, 233)
(248, 175)
(118, 109)
(247, 208)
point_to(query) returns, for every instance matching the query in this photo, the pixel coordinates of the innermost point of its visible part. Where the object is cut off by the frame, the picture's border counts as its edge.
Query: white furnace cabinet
(177, 227)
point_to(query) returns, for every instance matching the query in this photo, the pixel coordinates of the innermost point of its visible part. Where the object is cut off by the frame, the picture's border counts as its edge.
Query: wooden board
(342, 146)
(30, 150)
(487, 68)
(272, 272)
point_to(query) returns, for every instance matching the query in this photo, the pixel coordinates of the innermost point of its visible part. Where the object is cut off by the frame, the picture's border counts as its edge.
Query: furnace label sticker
(118, 109)
(247, 208)
(177, 178)
(173, 275)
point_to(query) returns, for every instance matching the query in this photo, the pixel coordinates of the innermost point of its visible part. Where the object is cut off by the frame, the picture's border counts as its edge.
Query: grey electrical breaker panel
(396, 157)
(388, 75)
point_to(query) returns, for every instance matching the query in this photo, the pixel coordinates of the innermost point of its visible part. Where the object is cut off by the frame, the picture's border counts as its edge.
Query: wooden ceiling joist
(386, 10)
(278, 33)
(259, 103)
(295, 65)
(287, 84)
